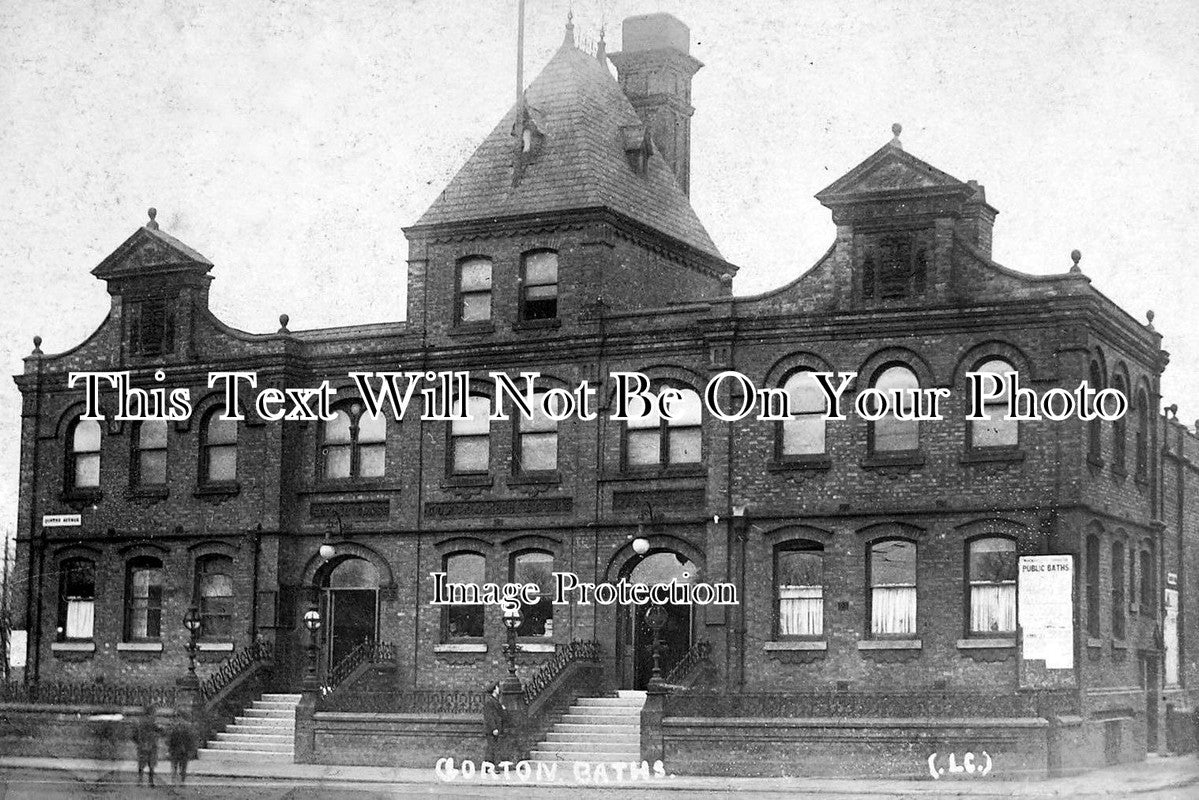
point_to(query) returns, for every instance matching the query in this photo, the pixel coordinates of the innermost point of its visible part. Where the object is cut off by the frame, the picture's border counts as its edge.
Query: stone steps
(596, 729)
(265, 731)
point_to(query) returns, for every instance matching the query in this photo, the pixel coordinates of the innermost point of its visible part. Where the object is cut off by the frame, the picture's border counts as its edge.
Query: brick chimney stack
(655, 70)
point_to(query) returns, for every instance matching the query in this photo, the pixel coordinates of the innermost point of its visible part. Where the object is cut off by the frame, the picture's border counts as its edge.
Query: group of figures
(181, 745)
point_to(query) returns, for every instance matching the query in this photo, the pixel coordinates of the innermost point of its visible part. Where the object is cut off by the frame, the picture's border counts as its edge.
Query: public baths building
(876, 562)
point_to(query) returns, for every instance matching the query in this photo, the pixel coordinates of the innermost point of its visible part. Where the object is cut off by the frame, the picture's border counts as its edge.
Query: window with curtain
(470, 438)
(1119, 431)
(537, 567)
(539, 286)
(893, 588)
(992, 578)
(214, 589)
(537, 439)
(143, 599)
(1095, 426)
(1142, 436)
(653, 440)
(463, 621)
(803, 434)
(892, 434)
(218, 449)
(77, 599)
(150, 459)
(1118, 590)
(353, 444)
(474, 290)
(83, 455)
(799, 589)
(1092, 577)
(996, 431)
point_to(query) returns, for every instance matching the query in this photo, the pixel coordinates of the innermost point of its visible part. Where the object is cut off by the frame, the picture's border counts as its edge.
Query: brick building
(870, 557)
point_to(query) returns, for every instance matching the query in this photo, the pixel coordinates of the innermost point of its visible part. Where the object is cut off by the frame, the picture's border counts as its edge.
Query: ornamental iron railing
(235, 666)
(430, 702)
(365, 652)
(86, 694)
(697, 654)
(564, 656)
(846, 704)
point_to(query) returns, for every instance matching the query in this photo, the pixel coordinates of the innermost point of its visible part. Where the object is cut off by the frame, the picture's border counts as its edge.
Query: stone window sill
(481, 479)
(997, 455)
(215, 647)
(1119, 644)
(1094, 641)
(139, 647)
(545, 478)
(223, 489)
(804, 463)
(535, 647)
(880, 461)
(93, 495)
(890, 644)
(638, 473)
(985, 644)
(796, 644)
(461, 647)
(73, 647)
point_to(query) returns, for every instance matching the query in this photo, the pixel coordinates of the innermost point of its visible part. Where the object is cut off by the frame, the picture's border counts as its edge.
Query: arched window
(474, 290)
(537, 439)
(1119, 431)
(539, 286)
(463, 621)
(1118, 589)
(803, 434)
(799, 590)
(892, 434)
(83, 455)
(218, 449)
(470, 438)
(214, 590)
(150, 454)
(1142, 437)
(76, 599)
(992, 578)
(995, 431)
(653, 440)
(353, 444)
(1093, 611)
(1095, 426)
(892, 570)
(143, 599)
(536, 566)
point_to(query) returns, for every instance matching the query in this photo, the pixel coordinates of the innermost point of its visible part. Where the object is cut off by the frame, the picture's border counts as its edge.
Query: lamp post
(192, 621)
(312, 621)
(655, 618)
(512, 620)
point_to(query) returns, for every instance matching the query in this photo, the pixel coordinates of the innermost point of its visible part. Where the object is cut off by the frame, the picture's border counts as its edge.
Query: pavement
(1167, 776)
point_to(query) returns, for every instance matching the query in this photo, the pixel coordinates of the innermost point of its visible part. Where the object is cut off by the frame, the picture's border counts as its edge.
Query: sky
(290, 140)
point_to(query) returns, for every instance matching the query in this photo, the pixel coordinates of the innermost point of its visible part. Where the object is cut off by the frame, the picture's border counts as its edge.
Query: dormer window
(638, 147)
(151, 329)
(539, 286)
(893, 266)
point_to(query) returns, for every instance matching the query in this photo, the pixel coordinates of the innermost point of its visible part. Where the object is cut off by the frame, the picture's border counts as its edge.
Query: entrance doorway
(350, 600)
(637, 641)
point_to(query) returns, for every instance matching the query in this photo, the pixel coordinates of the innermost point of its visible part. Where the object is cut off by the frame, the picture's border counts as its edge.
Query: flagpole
(520, 50)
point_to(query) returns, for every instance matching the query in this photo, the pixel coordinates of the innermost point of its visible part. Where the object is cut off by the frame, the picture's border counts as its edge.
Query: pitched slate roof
(579, 107)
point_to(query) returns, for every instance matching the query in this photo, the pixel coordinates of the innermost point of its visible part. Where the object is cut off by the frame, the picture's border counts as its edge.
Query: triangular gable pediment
(150, 251)
(891, 169)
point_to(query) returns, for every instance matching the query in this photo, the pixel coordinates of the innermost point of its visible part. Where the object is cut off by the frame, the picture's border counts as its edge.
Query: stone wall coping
(369, 716)
(856, 722)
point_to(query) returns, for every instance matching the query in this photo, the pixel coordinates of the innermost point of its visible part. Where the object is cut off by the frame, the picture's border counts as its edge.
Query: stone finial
(1149, 320)
(153, 223)
(283, 320)
(1076, 256)
(896, 129)
(601, 48)
(37, 345)
(569, 37)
